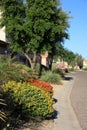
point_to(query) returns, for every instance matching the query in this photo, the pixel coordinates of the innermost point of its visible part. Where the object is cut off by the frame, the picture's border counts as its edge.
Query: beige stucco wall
(2, 33)
(85, 64)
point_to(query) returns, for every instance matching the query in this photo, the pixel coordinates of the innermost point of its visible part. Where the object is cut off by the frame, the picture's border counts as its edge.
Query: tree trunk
(34, 59)
(31, 61)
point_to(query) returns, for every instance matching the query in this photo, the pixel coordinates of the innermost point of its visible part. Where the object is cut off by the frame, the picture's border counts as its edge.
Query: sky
(78, 26)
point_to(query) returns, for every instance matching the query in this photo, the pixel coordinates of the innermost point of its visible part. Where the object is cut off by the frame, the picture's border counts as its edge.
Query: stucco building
(85, 64)
(3, 44)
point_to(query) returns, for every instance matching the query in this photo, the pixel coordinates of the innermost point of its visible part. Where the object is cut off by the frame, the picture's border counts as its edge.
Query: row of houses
(63, 65)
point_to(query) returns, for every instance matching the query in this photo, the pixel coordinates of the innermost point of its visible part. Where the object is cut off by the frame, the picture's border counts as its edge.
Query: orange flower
(41, 84)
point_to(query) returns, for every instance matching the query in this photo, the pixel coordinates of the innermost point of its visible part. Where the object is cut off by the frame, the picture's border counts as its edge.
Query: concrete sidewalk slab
(66, 118)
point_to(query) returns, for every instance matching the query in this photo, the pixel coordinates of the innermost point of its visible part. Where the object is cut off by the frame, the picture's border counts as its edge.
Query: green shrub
(50, 77)
(85, 69)
(33, 101)
(15, 71)
(71, 69)
(58, 71)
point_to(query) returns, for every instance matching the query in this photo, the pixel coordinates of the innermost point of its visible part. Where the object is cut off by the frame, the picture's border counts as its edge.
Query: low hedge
(34, 101)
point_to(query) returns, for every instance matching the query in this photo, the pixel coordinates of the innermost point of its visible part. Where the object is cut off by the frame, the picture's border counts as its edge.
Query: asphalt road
(78, 97)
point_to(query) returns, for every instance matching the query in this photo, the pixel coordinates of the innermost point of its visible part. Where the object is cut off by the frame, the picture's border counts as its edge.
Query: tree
(70, 57)
(34, 26)
(65, 55)
(79, 60)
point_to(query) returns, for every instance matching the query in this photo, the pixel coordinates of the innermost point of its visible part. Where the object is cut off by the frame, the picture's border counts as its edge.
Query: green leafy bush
(51, 77)
(34, 101)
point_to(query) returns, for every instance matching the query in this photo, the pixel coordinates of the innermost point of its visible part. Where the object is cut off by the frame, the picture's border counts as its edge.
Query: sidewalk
(66, 118)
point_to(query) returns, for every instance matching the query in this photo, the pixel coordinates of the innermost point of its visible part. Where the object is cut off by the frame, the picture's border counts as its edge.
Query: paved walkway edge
(66, 118)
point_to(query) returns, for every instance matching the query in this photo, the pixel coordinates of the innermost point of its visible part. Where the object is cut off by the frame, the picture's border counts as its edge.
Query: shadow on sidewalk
(68, 78)
(55, 114)
(55, 100)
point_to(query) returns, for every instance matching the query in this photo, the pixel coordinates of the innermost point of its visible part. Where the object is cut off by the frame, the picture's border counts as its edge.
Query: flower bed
(41, 84)
(30, 100)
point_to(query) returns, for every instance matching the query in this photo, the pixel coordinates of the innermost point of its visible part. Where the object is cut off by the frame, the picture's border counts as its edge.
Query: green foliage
(65, 55)
(15, 71)
(79, 60)
(85, 69)
(58, 71)
(59, 52)
(36, 26)
(50, 77)
(46, 24)
(71, 69)
(70, 57)
(33, 101)
(13, 18)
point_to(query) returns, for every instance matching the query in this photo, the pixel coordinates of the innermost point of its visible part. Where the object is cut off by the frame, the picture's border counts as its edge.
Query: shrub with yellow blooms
(34, 101)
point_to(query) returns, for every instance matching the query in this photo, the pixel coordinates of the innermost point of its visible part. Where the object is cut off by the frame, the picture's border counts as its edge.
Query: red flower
(41, 84)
